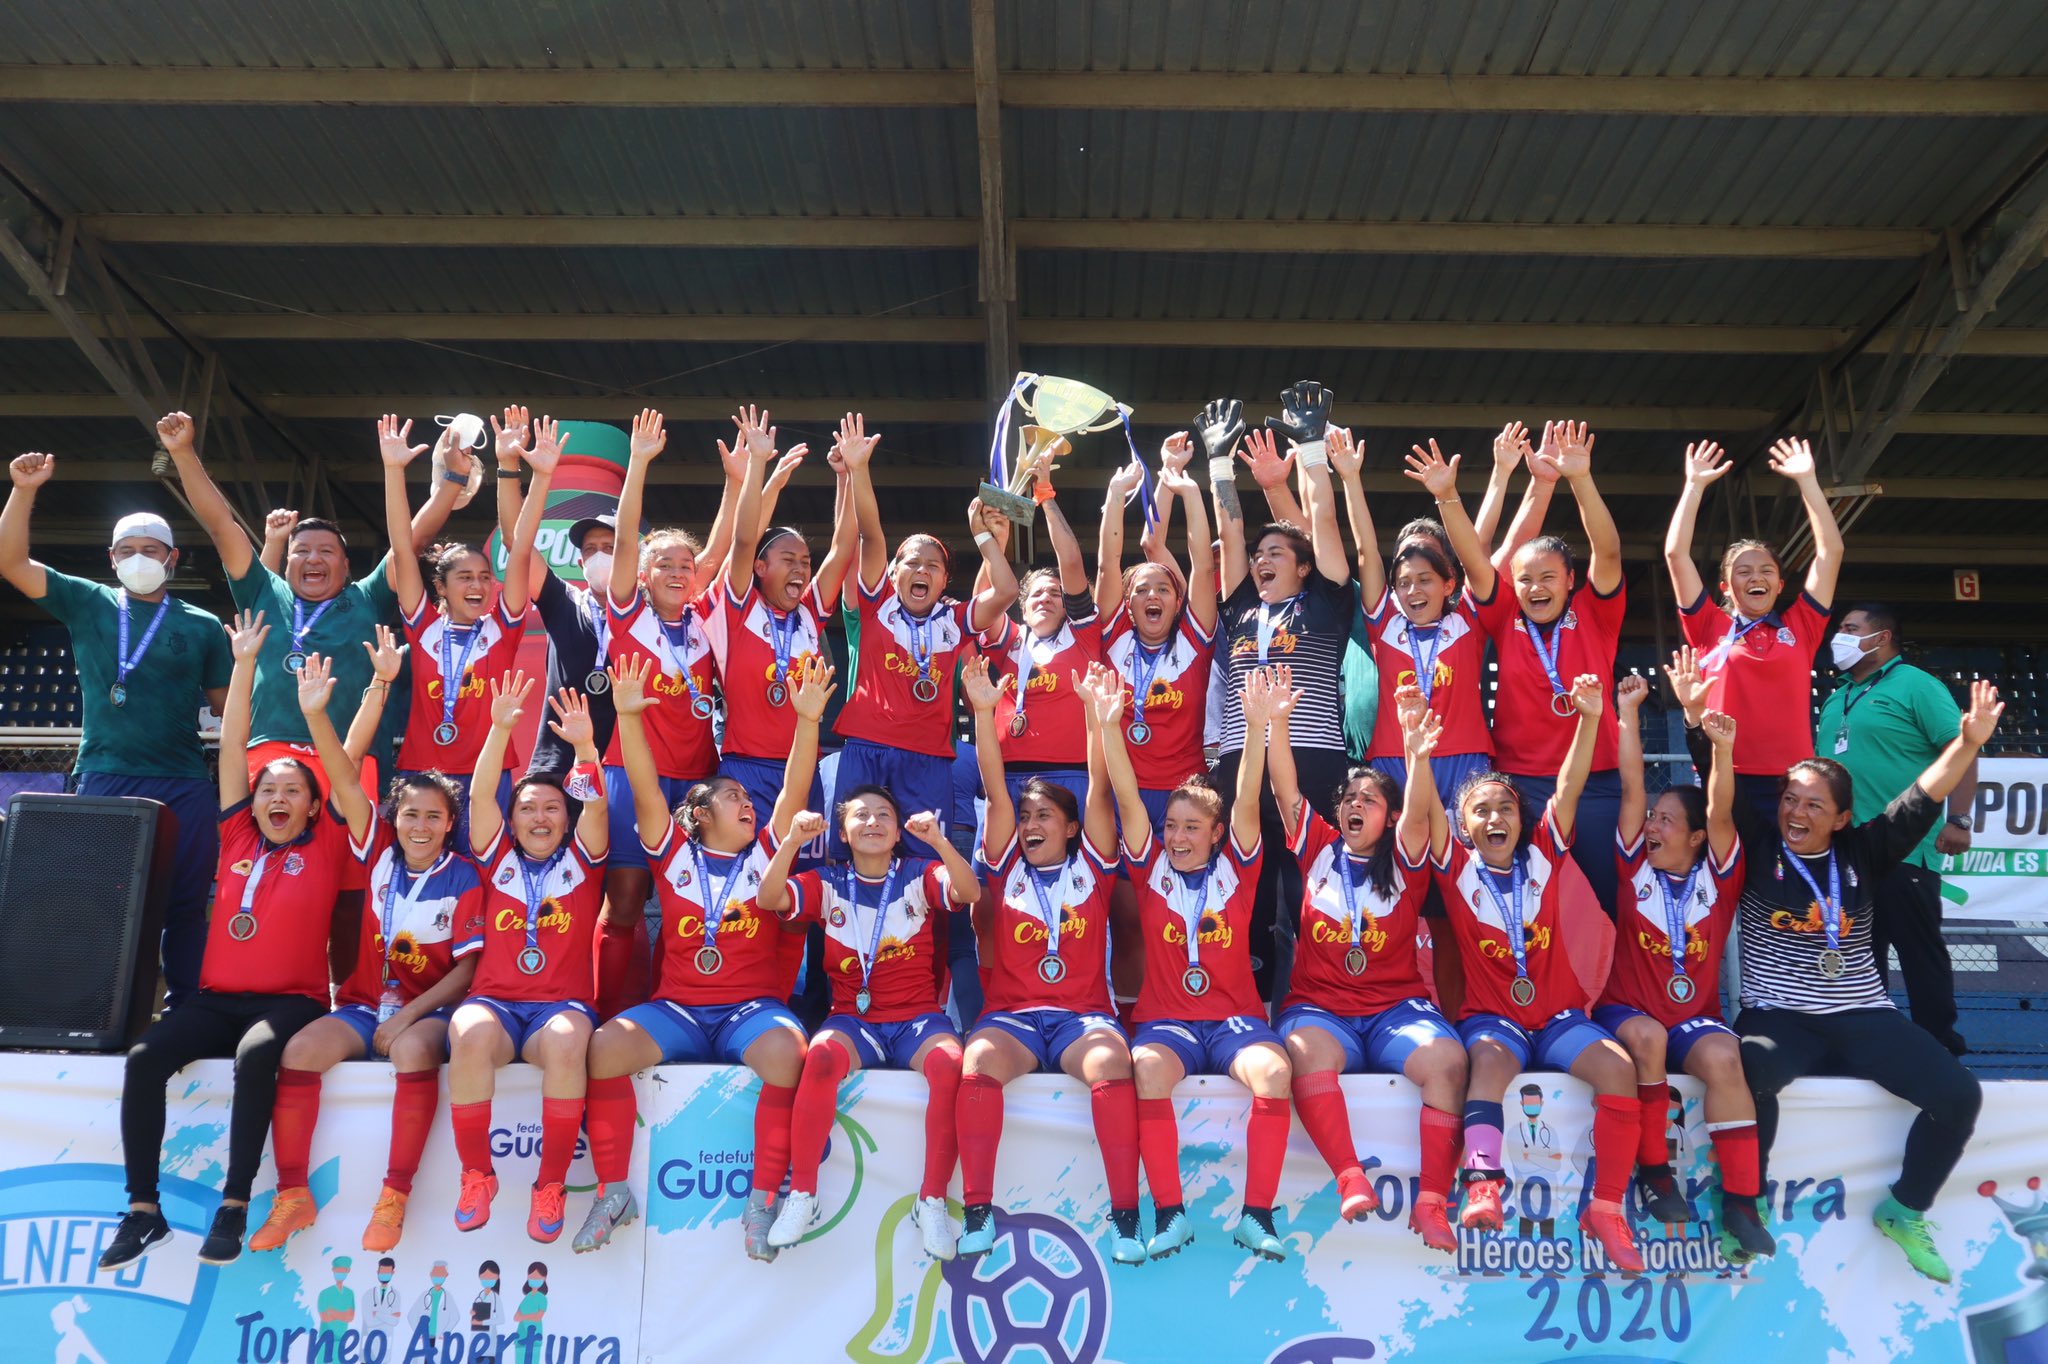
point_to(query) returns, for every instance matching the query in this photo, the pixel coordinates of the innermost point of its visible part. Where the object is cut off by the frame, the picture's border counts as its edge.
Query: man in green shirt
(1886, 722)
(147, 663)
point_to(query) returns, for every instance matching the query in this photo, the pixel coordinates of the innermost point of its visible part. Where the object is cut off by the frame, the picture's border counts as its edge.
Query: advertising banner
(2004, 875)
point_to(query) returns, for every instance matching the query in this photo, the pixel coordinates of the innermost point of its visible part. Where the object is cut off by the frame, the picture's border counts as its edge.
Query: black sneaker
(223, 1243)
(1744, 1237)
(138, 1234)
(1657, 1191)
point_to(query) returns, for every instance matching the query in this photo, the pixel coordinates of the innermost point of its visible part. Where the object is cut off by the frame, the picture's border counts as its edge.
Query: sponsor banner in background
(2004, 875)
(677, 1287)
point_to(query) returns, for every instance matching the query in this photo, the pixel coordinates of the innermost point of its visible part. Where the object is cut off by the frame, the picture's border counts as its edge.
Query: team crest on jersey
(1785, 635)
(682, 876)
(837, 918)
(293, 864)
(505, 876)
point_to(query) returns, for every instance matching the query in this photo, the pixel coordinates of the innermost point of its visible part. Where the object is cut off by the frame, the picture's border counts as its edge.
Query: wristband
(1222, 469)
(1449, 502)
(983, 537)
(1314, 454)
(504, 471)
(458, 480)
(586, 782)
(1960, 821)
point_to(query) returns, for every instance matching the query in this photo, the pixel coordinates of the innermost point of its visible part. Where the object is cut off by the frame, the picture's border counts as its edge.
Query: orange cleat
(387, 1221)
(544, 1221)
(1608, 1224)
(1429, 1219)
(473, 1205)
(1355, 1198)
(1482, 1203)
(291, 1214)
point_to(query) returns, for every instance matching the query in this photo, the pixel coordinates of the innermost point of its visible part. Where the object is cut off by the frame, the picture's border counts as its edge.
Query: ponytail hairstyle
(1553, 544)
(1379, 867)
(1741, 547)
(696, 802)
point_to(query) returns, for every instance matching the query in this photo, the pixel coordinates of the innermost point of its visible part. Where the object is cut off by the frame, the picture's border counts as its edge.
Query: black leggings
(1879, 1045)
(251, 1028)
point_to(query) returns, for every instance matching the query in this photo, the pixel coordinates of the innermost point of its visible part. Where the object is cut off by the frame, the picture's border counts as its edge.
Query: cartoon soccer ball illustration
(1040, 1288)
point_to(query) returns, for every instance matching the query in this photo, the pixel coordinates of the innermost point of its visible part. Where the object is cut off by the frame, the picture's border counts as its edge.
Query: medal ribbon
(1344, 869)
(1046, 911)
(1425, 668)
(386, 920)
(1510, 907)
(254, 878)
(1674, 913)
(536, 892)
(679, 648)
(1144, 667)
(1028, 661)
(714, 915)
(302, 625)
(921, 640)
(867, 959)
(782, 632)
(599, 627)
(124, 662)
(1191, 914)
(1737, 629)
(1547, 650)
(453, 669)
(1269, 622)
(1831, 903)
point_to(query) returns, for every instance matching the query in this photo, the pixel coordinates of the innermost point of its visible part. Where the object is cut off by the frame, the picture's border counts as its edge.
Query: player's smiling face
(1278, 569)
(1492, 818)
(466, 588)
(1754, 582)
(1153, 601)
(540, 819)
(316, 564)
(1190, 835)
(1420, 591)
(422, 823)
(784, 572)
(1808, 817)
(1543, 583)
(1670, 842)
(283, 801)
(869, 825)
(919, 574)
(668, 570)
(1362, 815)
(1043, 830)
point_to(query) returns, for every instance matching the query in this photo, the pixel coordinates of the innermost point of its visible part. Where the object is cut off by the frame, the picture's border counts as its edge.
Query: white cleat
(941, 1237)
(799, 1211)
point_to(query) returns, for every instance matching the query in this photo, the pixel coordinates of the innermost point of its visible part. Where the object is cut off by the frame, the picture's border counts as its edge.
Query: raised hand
(1792, 458)
(755, 432)
(572, 723)
(1103, 690)
(853, 447)
(391, 442)
(1285, 694)
(981, 690)
(1511, 446)
(1981, 719)
(1257, 700)
(547, 448)
(508, 694)
(1269, 467)
(1720, 728)
(1705, 462)
(1436, 474)
(1629, 694)
(316, 684)
(32, 471)
(786, 467)
(1175, 452)
(1220, 426)
(277, 526)
(806, 825)
(509, 438)
(1574, 450)
(650, 435)
(813, 689)
(386, 658)
(1409, 705)
(1688, 683)
(1176, 483)
(1304, 412)
(1420, 740)
(629, 685)
(246, 635)
(924, 826)
(1586, 695)
(176, 431)
(1123, 482)
(980, 518)
(456, 457)
(1346, 455)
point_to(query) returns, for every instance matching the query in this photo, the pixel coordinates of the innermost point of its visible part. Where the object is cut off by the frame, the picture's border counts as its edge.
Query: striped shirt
(1308, 633)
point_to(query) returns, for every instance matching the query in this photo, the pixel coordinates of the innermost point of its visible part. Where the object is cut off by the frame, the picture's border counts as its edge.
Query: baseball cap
(608, 521)
(146, 524)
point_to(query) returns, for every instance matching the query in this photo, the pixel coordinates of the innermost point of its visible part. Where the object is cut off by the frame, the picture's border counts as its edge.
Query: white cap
(146, 524)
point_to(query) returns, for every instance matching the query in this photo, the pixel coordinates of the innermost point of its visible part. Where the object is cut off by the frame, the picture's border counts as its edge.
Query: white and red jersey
(883, 709)
(908, 947)
(754, 950)
(1529, 737)
(683, 743)
(570, 887)
(1642, 973)
(1056, 720)
(1015, 938)
(1459, 648)
(490, 649)
(1384, 925)
(755, 647)
(286, 891)
(1763, 677)
(415, 926)
(1176, 698)
(1221, 904)
(1479, 917)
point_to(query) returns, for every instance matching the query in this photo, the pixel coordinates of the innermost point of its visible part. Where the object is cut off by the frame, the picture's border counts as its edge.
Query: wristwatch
(1960, 821)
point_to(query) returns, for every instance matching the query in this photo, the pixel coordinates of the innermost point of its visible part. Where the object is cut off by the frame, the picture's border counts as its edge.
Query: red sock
(1265, 1151)
(1652, 1147)
(614, 967)
(560, 1121)
(980, 1119)
(412, 1117)
(1321, 1105)
(292, 1118)
(1615, 1121)
(771, 1136)
(1114, 1104)
(610, 1109)
(1443, 1135)
(472, 1124)
(941, 1136)
(1735, 1149)
(810, 1117)
(1159, 1145)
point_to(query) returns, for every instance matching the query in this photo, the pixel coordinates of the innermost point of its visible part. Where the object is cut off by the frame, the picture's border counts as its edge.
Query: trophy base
(1020, 510)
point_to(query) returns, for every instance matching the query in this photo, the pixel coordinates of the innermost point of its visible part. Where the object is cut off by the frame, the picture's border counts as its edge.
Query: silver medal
(1051, 970)
(1523, 991)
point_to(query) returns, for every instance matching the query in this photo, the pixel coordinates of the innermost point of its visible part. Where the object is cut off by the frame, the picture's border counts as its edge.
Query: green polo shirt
(1886, 730)
(340, 632)
(155, 733)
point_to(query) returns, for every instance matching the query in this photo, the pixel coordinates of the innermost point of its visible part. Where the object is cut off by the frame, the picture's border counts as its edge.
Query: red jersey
(1176, 698)
(1012, 928)
(883, 708)
(682, 741)
(273, 905)
(415, 928)
(570, 888)
(1056, 720)
(908, 975)
(1458, 647)
(1478, 906)
(1529, 736)
(754, 648)
(478, 655)
(1385, 927)
(1764, 678)
(752, 947)
(1642, 973)
(1223, 907)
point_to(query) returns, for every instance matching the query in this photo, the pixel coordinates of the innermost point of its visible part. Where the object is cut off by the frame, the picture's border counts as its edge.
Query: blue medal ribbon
(921, 640)
(1425, 668)
(599, 627)
(536, 893)
(1144, 667)
(1831, 903)
(124, 662)
(1674, 913)
(1547, 650)
(1344, 870)
(1144, 480)
(852, 893)
(1510, 906)
(679, 650)
(1269, 622)
(453, 669)
(1046, 910)
(302, 625)
(1191, 906)
(1738, 628)
(714, 908)
(782, 632)
(386, 919)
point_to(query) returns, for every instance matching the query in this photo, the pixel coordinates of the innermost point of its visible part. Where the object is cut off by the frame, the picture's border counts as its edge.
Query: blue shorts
(1155, 806)
(625, 827)
(522, 1018)
(1047, 1033)
(362, 1018)
(918, 781)
(888, 1046)
(715, 1032)
(1206, 1048)
(1451, 772)
(1678, 1041)
(1556, 1045)
(1381, 1042)
(762, 777)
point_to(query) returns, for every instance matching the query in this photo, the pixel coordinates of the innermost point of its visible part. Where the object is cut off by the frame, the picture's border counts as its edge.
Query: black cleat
(1744, 1237)
(1658, 1193)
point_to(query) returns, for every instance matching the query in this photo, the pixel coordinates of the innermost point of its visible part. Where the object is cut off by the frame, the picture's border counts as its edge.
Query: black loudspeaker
(83, 883)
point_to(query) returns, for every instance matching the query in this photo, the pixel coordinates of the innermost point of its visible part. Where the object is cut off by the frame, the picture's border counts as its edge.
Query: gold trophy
(1059, 408)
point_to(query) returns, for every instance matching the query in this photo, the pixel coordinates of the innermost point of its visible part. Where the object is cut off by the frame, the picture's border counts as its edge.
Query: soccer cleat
(1128, 1247)
(1255, 1233)
(1914, 1234)
(473, 1204)
(137, 1235)
(1355, 1198)
(1482, 1200)
(1430, 1220)
(941, 1241)
(1608, 1224)
(1174, 1232)
(799, 1211)
(754, 1224)
(387, 1221)
(547, 1212)
(1743, 1234)
(1658, 1194)
(223, 1243)
(611, 1209)
(979, 1238)
(291, 1213)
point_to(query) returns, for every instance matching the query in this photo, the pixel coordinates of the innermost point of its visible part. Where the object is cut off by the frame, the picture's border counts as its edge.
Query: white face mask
(141, 574)
(1846, 649)
(597, 572)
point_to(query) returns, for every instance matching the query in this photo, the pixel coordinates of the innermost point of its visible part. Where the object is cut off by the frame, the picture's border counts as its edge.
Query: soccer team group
(1113, 887)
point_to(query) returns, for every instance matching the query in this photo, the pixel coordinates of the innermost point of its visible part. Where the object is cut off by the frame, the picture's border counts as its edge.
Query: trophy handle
(1042, 442)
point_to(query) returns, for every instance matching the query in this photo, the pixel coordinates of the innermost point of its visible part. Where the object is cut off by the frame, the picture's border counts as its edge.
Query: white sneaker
(799, 1210)
(941, 1237)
